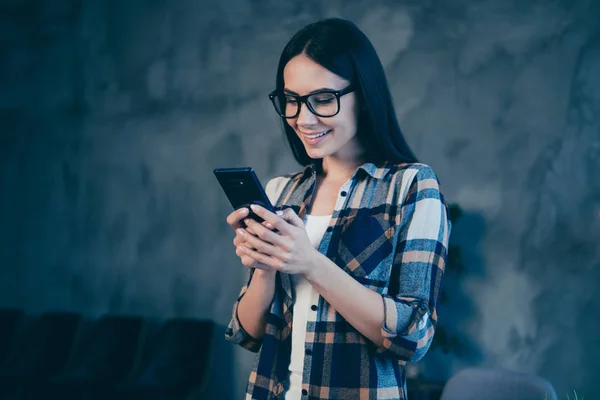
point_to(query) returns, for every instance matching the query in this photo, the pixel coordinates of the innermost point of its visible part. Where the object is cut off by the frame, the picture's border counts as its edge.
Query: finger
(244, 224)
(276, 221)
(268, 225)
(235, 217)
(291, 217)
(239, 241)
(269, 261)
(240, 252)
(264, 223)
(259, 244)
(268, 236)
(249, 262)
(246, 261)
(248, 228)
(255, 264)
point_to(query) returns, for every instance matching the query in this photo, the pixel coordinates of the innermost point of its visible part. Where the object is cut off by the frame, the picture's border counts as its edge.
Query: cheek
(347, 121)
(291, 123)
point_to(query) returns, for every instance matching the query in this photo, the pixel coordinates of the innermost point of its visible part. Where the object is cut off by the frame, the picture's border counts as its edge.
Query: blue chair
(39, 351)
(174, 362)
(103, 357)
(10, 322)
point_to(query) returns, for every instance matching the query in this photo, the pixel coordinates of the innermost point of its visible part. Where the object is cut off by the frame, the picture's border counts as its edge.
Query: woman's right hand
(235, 221)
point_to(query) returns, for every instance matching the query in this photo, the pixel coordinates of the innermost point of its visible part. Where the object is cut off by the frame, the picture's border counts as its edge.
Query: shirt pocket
(365, 247)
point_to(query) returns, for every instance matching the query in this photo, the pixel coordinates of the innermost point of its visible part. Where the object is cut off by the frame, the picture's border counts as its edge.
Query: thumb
(291, 217)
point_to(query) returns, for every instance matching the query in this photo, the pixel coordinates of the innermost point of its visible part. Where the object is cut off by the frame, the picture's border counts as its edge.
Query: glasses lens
(285, 105)
(321, 104)
(324, 104)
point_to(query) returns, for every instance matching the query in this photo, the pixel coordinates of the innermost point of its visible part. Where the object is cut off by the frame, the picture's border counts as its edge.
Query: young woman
(344, 281)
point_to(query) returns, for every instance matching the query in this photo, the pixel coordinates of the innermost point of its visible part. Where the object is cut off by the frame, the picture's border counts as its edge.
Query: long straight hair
(341, 47)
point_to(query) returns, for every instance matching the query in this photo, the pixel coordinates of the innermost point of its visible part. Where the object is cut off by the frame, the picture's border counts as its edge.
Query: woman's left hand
(289, 250)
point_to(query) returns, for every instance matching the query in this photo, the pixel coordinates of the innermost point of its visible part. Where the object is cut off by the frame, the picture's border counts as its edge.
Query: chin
(315, 154)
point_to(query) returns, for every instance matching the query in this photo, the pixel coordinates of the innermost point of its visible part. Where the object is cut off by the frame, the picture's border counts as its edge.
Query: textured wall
(113, 115)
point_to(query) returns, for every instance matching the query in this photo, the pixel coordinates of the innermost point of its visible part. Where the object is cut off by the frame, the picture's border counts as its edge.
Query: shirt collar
(375, 171)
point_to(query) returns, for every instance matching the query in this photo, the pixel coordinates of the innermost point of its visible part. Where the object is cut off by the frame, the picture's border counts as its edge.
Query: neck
(340, 169)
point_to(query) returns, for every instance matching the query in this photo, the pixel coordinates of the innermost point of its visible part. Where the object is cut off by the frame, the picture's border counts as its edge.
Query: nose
(306, 117)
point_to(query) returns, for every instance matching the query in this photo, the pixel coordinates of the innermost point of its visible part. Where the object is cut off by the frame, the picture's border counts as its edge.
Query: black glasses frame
(304, 99)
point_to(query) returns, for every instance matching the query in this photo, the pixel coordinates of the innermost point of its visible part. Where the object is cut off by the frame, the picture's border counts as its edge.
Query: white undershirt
(305, 297)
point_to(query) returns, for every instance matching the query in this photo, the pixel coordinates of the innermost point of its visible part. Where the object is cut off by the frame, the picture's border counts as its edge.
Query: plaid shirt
(389, 231)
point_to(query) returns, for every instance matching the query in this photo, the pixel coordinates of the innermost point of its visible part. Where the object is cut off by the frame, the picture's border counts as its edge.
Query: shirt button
(423, 306)
(344, 193)
(304, 392)
(313, 307)
(308, 352)
(329, 229)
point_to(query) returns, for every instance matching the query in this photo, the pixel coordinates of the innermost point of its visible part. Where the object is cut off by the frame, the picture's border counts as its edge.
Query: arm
(249, 321)
(402, 321)
(361, 307)
(403, 324)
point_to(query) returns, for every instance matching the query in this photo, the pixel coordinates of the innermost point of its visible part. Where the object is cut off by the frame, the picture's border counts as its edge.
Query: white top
(304, 297)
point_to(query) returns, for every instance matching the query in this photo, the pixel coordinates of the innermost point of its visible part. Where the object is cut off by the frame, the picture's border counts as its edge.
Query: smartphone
(242, 188)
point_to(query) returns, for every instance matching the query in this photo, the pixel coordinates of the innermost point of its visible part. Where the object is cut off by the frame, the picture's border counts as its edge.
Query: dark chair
(496, 384)
(103, 357)
(422, 388)
(40, 350)
(10, 322)
(174, 361)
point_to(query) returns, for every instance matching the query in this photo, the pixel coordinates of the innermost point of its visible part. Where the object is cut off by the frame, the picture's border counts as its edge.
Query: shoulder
(276, 184)
(415, 170)
(408, 174)
(415, 179)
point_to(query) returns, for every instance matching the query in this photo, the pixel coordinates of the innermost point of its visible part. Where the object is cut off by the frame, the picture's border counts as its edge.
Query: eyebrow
(309, 93)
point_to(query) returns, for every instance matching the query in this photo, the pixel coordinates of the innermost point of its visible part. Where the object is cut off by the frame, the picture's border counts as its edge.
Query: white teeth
(317, 136)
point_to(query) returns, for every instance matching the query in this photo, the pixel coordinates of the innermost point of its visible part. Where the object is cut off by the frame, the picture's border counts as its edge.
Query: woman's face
(302, 76)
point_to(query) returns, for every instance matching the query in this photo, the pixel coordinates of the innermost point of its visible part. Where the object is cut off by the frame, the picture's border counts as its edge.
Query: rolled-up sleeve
(410, 306)
(235, 332)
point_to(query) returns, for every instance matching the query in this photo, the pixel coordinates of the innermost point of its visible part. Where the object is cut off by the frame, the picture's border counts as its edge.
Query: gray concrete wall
(113, 115)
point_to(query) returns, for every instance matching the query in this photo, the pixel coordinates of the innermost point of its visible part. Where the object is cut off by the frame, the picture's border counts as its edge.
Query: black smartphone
(242, 188)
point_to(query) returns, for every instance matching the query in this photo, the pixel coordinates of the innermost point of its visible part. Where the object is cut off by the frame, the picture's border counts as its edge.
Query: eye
(322, 98)
(290, 100)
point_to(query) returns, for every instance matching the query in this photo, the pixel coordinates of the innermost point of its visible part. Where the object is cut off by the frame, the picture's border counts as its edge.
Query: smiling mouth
(318, 135)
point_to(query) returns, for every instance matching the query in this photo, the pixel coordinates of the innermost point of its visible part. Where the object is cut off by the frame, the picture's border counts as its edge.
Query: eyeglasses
(324, 103)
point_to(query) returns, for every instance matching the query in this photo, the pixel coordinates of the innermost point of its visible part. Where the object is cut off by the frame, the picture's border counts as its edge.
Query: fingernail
(279, 212)
(244, 211)
(240, 231)
(254, 207)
